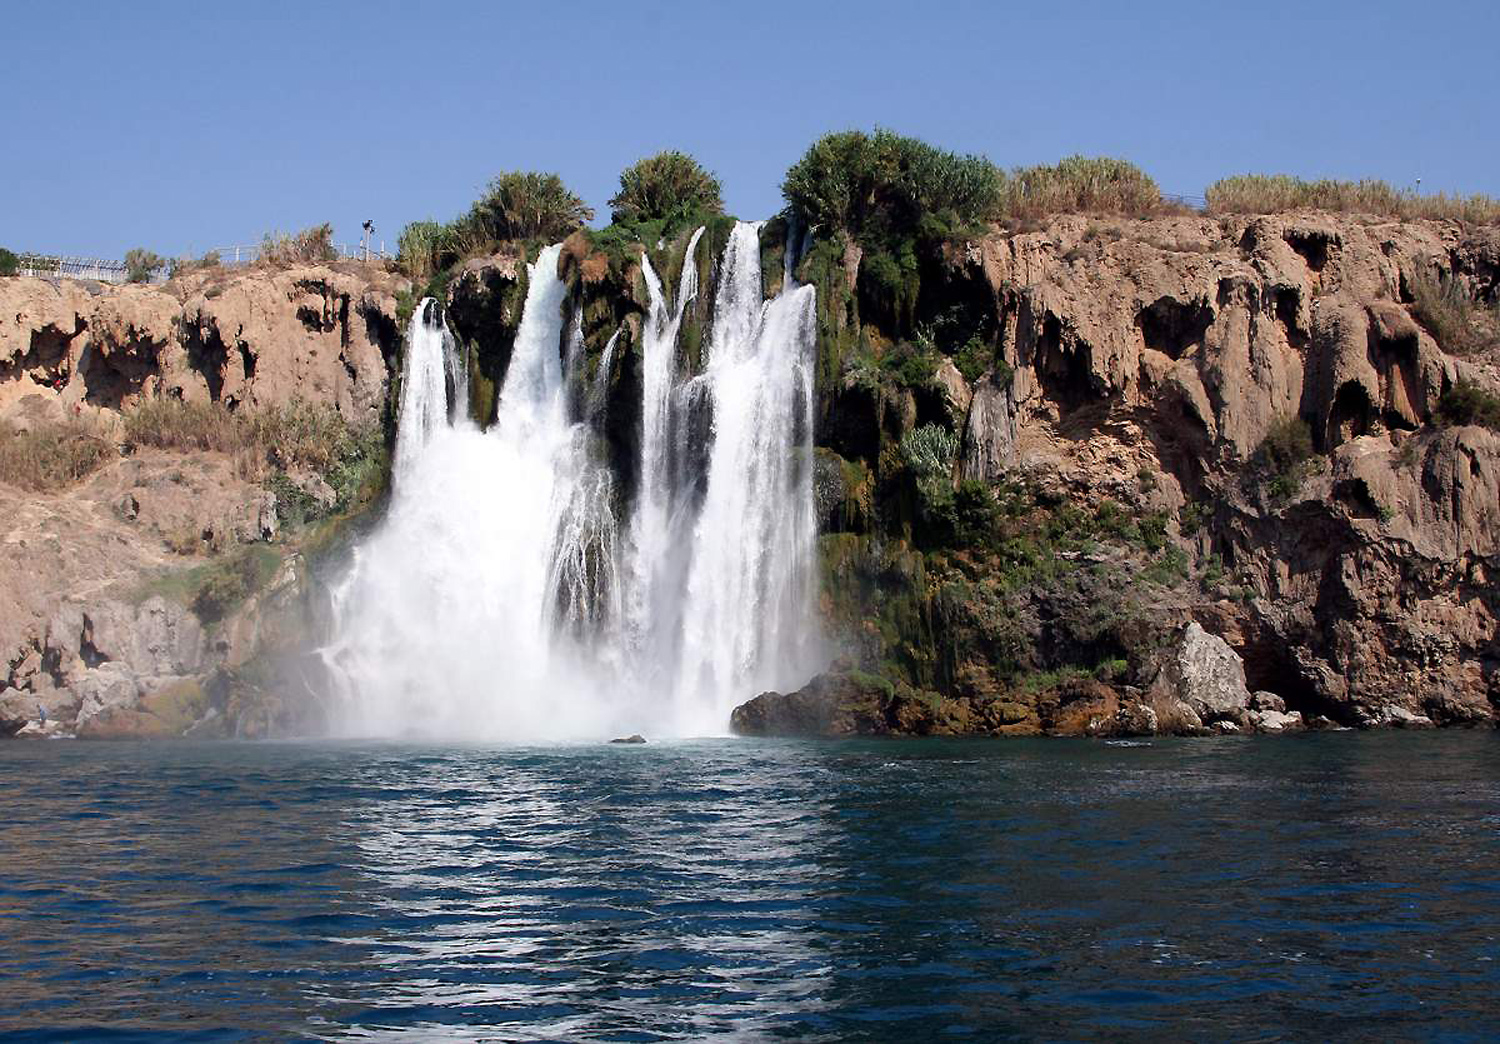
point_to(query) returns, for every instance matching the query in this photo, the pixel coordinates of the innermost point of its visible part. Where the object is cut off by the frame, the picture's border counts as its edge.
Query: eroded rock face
(254, 336)
(1148, 362)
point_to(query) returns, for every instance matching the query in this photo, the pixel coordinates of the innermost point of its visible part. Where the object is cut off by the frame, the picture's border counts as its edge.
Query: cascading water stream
(749, 592)
(655, 568)
(502, 598)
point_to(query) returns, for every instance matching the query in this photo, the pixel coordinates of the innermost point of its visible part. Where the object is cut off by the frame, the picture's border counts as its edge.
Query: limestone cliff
(1131, 382)
(149, 597)
(254, 336)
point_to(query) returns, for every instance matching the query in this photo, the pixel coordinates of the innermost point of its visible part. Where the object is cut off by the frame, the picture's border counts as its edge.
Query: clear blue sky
(185, 126)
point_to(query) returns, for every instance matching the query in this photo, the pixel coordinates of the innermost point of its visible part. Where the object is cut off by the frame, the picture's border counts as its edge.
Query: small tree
(141, 264)
(670, 186)
(9, 263)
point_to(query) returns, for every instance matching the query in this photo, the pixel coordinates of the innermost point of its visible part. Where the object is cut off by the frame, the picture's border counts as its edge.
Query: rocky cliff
(1232, 423)
(1092, 476)
(166, 591)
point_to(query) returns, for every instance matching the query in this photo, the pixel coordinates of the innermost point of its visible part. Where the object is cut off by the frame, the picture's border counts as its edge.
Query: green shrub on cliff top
(9, 263)
(873, 184)
(523, 205)
(670, 187)
(1278, 193)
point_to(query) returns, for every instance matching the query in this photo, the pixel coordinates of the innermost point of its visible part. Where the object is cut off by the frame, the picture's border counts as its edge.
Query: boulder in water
(851, 704)
(637, 738)
(1203, 680)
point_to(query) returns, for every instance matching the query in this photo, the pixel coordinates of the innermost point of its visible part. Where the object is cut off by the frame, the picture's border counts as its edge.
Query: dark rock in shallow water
(637, 738)
(829, 705)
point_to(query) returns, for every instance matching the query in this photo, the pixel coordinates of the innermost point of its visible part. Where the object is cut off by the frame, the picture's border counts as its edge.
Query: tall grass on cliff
(50, 457)
(1279, 193)
(420, 249)
(1080, 185)
(1458, 322)
(670, 187)
(309, 247)
(267, 442)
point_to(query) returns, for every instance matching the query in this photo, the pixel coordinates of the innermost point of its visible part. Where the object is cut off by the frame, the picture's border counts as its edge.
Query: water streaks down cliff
(513, 593)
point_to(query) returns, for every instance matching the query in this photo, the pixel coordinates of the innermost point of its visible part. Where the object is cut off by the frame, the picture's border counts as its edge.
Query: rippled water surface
(1317, 886)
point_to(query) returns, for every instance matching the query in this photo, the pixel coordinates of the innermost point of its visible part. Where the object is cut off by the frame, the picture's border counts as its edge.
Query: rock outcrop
(253, 336)
(1132, 374)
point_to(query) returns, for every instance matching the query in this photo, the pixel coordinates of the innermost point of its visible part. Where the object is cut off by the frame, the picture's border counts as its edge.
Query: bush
(9, 263)
(1080, 185)
(522, 205)
(911, 367)
(869, 185)
(1284, 455)
(51, 456)
(1467, 403)
(184, 265)
(309, 247)
(1456, 321)
(930, 451)
(1278, 193)
(141, 264)
(670, 187)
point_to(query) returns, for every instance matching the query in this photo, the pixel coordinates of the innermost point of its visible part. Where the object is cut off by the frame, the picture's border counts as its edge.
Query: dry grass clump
(294, 435)
(169, 423)
(1081, 185)
(310, 246)
(1459, 323)
(1278, 193)
(52, 456)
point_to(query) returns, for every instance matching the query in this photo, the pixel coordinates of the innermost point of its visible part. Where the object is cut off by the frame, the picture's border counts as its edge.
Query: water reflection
(861, 890)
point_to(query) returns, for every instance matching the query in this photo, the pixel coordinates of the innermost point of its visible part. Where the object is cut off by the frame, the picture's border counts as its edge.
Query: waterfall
(509, 593)
(749, 593)
(655, 527)
(424, 396)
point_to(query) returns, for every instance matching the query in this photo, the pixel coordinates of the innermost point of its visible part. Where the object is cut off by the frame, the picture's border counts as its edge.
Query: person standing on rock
(41, 714)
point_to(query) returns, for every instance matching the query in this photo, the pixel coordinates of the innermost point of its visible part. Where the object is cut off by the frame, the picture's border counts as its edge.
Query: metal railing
(105, 270)
(110, 270)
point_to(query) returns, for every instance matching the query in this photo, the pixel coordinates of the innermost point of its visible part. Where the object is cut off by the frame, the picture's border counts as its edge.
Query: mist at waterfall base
(512, 594)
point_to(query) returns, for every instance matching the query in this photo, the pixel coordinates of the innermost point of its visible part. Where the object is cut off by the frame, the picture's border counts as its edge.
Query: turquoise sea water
(1320, 886)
